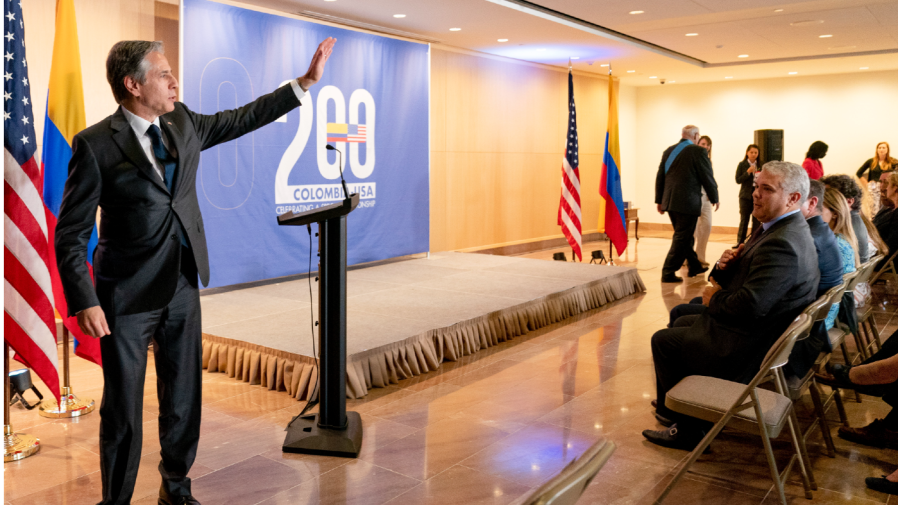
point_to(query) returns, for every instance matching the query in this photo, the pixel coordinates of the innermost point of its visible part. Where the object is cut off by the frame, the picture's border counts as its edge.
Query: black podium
(333, 431)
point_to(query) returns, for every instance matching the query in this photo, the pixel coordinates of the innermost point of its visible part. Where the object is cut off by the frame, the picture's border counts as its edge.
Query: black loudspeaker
(770, 143)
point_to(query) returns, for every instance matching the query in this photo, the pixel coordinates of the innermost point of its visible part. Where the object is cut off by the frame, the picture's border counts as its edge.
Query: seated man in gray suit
(755, 293)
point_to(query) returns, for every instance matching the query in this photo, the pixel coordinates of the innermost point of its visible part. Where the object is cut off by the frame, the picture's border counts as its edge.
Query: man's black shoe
(671, 278)
(882, 485)
(166, 499)
(663, 421)
(693, 273)
(840, 380)
(673, 439)
(654, 404)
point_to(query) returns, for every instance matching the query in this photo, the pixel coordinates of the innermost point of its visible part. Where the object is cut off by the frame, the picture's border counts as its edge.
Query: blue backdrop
(372, 104)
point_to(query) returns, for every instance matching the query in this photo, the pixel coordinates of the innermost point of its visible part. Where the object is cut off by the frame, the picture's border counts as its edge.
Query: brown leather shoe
(874, 434)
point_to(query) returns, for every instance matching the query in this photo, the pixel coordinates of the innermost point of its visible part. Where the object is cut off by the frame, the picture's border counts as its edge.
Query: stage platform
(403, 318)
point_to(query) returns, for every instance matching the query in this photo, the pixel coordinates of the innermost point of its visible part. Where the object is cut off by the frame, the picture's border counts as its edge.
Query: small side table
(632, 214)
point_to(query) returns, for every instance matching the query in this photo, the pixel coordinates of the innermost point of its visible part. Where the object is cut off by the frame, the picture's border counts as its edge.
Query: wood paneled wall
(497, 140)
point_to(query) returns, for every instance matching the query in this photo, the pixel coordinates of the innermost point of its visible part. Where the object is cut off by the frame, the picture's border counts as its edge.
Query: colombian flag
(614, 224)
(65, 118)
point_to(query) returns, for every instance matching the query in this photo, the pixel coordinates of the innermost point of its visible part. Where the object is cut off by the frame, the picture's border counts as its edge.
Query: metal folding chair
(566, 487)
(747, 408)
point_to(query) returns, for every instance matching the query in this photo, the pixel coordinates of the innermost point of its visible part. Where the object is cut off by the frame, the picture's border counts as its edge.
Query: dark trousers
(746, 206)
(673, 365)
(694, 307)
(175, 332)
(681, 245)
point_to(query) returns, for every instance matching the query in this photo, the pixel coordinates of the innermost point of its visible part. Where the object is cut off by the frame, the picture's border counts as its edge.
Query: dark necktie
(168, 163)
(755, 236)
(165, 158)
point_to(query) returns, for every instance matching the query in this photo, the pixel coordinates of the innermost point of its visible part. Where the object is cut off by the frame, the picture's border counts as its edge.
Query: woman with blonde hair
(872, 169)
(837, 214)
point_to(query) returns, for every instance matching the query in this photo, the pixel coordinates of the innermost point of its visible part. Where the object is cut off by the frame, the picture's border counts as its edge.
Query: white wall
(851, 113)
(626, 116)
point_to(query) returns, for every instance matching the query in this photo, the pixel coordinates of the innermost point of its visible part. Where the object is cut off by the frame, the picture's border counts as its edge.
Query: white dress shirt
(141, 125)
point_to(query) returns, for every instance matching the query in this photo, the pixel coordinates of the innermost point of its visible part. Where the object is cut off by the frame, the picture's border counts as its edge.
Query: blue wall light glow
(551, 53)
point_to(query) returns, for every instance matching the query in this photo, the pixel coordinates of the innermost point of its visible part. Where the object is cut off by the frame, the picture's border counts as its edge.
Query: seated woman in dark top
(872, 169)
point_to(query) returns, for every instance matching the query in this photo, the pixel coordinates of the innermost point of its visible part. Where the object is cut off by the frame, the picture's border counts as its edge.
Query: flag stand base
(69, 406)
(18, 446)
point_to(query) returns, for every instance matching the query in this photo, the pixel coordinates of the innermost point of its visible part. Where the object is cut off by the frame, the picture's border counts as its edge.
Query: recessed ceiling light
(575, 57)
(807, 22)
(728, 77)
(653, 77)
(455, 29)
(330, 0)
(398, 15)
(636, 12)
(825, 36)
(864, 68)
(792, 73)
(777, 10)
(603, 65)
(503, 40)
(692, 35)
(743, 56)
(671, 81)
(631, 71)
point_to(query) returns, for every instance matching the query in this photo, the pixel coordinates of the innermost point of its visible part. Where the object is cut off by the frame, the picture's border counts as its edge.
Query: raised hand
(316, 67)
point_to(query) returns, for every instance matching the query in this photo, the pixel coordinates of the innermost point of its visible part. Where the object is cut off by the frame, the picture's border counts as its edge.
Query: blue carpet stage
(403, 319)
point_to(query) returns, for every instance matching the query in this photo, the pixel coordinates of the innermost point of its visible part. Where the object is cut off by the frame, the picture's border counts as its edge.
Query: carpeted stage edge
(296, 374)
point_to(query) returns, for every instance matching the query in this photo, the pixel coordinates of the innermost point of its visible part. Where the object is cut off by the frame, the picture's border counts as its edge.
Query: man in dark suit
(829, 262)
(685, 169)
(139, 167)
(755, 293)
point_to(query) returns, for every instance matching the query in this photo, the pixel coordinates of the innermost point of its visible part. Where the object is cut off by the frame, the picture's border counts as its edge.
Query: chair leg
(848, 361)
(693, 457)
(837, 397)
(804, 461)
(768, 449)
(872, 322)
(821, 419)
(861, 345)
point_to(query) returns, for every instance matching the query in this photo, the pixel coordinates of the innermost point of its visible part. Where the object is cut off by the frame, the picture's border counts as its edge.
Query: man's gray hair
(129, 58)
(690, 131)
(794, 177)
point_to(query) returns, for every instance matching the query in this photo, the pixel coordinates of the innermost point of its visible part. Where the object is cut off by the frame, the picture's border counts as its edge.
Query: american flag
(569, 207)
(29, 321)
(343, 132)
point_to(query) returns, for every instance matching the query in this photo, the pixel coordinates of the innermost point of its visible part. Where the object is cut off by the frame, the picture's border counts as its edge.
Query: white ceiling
(864, 33)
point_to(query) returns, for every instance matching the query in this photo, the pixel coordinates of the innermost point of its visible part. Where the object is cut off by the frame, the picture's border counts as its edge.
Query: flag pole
(16, 446)
(69, 405)
(610, 243)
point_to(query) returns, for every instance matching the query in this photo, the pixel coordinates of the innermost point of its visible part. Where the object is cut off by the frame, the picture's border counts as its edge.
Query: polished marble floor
(486, 429)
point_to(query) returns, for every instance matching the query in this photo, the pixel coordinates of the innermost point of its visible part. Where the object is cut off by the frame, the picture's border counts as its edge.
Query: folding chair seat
(748, 408)
(887, 267)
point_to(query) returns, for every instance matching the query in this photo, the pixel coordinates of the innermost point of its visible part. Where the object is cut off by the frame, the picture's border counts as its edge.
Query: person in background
(854, 195)
(684, 170)
(886, 221)
(872, 169)
(745, 175)
(829, 262)
(703, 227)
(812, 162)
(837, 215)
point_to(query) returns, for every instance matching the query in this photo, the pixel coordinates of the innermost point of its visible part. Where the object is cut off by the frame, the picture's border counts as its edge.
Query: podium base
(304, 436)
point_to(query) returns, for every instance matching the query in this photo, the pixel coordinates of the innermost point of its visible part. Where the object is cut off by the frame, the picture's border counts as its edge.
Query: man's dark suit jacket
(137, 260)
(829, 262)
(774, 279)
(680, 189)
(886, 222)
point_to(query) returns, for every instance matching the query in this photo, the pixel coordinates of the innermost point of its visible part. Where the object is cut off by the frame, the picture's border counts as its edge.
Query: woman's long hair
(708, 140)
(890, 162)
(875, 237)
(840, 223)
(758, 161)
(817, 150)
